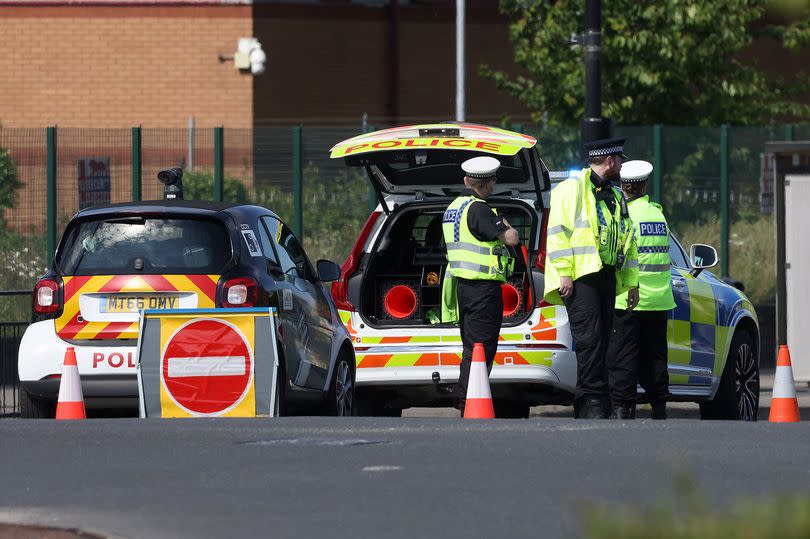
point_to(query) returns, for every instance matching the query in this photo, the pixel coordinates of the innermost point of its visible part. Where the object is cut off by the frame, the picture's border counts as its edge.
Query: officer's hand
(566, 286)
(632, 299)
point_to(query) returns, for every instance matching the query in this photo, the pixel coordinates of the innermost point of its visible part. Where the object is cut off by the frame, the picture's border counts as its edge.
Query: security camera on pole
(249, 55)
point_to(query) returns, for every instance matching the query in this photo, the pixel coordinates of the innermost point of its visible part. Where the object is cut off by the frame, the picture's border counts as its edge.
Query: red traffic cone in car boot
(479, 399)
(71, 402)
(784, 405)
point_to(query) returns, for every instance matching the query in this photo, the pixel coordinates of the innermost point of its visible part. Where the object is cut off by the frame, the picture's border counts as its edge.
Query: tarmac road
(358, 477)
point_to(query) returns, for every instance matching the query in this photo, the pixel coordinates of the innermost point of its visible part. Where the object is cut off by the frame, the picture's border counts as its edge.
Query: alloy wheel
(344, 393)
(747, 383)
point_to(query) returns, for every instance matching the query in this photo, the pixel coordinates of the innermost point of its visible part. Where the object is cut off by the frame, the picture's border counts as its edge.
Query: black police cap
(605, 146)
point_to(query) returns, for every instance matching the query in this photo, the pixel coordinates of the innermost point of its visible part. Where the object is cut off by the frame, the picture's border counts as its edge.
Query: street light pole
(593, 125)
(460, 60)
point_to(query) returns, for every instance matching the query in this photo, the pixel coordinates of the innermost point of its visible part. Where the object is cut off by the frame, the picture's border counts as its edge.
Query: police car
(389, 292)
(167, 254)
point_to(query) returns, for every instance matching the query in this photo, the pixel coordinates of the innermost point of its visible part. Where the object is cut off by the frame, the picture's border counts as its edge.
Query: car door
(313, 322)
(692, 324)
(289, 303)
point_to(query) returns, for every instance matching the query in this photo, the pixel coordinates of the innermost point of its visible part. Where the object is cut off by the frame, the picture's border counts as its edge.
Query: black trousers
(480, 310)
(590, 314)
(637, 354)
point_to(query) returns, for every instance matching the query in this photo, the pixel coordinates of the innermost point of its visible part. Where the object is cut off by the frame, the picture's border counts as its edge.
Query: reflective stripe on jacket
(467, 256)
(574, 236)
(652, 237)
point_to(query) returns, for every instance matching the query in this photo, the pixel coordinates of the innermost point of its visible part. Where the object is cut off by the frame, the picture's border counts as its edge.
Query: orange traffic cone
(479, 398)
(71, 402)
(784, 405)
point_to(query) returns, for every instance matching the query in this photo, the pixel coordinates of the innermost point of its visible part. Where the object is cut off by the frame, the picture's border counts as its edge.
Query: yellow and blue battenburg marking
(697, 330)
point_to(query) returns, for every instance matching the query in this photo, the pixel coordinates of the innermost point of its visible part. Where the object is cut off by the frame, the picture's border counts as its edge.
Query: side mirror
(328, 271)
(274, 270)
(702, 256)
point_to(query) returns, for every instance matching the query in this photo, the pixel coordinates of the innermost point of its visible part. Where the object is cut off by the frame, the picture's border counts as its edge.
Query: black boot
(623, 411)
(591, 409)
(659, 409)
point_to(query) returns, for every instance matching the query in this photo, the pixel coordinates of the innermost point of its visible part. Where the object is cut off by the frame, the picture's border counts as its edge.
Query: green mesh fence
(94, 166)
(273, 170)
(167, 148)
(800, 132)
(335, 197)
(23, 251)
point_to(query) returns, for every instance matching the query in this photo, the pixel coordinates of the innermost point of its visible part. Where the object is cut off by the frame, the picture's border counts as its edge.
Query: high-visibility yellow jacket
(467, 256)
(652, 237)
(582, 237)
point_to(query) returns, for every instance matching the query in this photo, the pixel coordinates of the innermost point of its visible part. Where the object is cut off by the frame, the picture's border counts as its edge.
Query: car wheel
(32, 408)
(340, 399)
(737, 395)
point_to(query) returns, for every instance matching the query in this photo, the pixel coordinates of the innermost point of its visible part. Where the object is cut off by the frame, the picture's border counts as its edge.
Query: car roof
(159, 206)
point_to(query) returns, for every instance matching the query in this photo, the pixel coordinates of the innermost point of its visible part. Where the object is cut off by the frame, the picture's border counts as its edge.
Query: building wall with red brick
(123, 65)
(333, 63)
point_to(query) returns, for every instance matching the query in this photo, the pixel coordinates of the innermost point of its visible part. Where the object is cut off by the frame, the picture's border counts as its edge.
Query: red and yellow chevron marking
(535, 357)
(546, 328)
(397, 360)
(346, 318)
(69, 327)
(366, 361)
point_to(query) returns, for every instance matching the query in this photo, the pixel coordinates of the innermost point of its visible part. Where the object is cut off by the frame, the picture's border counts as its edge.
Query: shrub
(691, 516)
(751, 252)
(200, 186)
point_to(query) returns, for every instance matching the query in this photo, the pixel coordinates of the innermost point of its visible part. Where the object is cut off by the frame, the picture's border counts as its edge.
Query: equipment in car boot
(513, 298)
(399, 300)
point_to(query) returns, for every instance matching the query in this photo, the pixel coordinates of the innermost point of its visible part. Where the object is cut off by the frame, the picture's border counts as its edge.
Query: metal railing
(10, 335)
(715, 183)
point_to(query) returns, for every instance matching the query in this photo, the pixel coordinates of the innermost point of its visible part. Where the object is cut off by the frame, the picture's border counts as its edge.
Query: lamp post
(460, 61)
(594, 126)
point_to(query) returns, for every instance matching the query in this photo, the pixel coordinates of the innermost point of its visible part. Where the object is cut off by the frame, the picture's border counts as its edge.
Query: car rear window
(126, 245)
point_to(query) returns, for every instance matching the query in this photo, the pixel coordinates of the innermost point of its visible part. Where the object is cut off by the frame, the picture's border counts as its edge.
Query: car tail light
(340, 288)
(240, 292)
(540, 260)
(47, 296)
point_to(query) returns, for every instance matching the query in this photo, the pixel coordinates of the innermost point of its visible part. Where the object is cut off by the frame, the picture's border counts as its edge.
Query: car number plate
(130, 303)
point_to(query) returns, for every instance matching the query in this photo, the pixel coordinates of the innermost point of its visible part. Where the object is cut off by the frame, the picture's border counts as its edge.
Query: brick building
(96, 68)
(105, 63)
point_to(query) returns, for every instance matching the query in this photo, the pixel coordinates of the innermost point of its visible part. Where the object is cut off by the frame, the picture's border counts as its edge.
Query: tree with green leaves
(8, 179)
(675, 62)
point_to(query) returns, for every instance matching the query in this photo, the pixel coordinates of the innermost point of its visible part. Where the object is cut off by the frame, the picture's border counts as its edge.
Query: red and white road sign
(207, 366)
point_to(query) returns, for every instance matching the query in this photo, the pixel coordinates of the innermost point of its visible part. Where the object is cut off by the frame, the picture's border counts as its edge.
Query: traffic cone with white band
(479, 399)
(784, 405)
(71, 402)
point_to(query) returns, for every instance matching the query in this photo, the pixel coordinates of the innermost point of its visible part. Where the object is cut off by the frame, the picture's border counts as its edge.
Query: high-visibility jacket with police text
(652, 238)
(467, 256)
(583, 235)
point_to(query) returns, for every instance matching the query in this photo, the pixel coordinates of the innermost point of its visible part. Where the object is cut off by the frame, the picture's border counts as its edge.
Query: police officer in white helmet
(637, 352)
(478, 262)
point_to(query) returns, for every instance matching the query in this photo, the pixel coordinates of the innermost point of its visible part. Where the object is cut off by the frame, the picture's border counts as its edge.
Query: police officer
(591, 258)
(478, 263)
(637, 352)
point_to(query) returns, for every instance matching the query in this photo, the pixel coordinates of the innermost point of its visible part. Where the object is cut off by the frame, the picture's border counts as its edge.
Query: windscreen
(132, 245)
